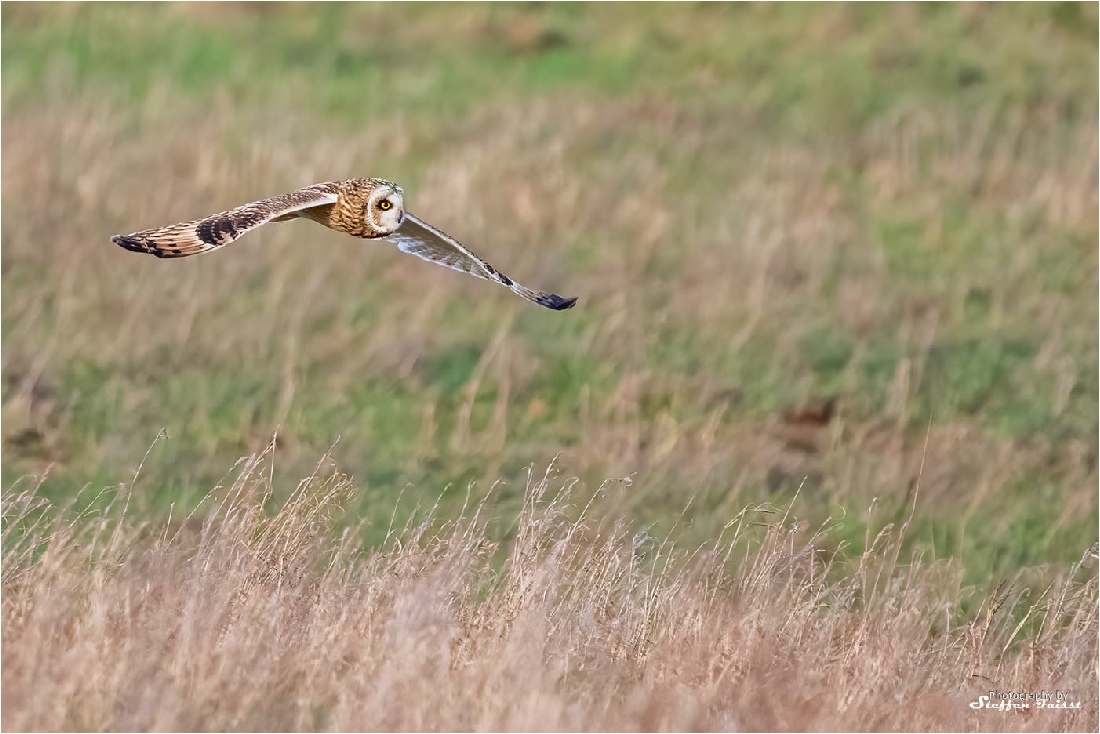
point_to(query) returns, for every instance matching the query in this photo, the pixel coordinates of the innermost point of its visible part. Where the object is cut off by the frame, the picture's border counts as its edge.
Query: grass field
(841, 259)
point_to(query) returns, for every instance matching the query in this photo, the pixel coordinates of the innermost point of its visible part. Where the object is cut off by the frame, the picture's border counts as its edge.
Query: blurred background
(817, 246)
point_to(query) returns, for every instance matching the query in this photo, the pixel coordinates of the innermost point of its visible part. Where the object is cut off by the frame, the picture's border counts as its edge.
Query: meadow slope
(840, 259)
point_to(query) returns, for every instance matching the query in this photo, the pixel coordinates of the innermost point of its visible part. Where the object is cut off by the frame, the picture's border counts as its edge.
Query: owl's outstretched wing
(218, 230)
(428, 243)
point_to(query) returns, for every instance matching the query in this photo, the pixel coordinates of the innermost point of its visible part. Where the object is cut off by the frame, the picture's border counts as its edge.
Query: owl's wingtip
(146, 246)
(556, 302)
(126, 242)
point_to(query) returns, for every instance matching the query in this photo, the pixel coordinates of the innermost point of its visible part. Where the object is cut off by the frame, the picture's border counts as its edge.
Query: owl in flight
(371, 208)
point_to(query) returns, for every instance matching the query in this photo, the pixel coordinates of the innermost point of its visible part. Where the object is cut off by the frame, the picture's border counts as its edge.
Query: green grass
(760, 206)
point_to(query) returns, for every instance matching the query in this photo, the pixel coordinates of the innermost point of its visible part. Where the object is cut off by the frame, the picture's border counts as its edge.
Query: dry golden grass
(251, 620)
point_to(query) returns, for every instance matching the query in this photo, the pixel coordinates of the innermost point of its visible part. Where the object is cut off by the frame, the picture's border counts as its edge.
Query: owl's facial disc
(386, 210)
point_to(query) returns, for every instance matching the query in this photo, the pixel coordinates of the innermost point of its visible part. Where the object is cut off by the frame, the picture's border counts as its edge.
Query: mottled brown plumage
(370, 208)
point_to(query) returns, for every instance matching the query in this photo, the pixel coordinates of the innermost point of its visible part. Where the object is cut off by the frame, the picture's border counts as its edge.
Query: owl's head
(385, 208)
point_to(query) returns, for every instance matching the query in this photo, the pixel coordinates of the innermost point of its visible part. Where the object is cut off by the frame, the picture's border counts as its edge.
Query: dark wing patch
(419, 238)
(218, 230)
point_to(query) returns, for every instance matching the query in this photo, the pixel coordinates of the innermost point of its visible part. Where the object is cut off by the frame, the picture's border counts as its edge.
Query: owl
(371, 208)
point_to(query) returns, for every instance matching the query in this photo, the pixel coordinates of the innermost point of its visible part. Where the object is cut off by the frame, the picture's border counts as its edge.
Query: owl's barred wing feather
(428, 243)
(218, 230)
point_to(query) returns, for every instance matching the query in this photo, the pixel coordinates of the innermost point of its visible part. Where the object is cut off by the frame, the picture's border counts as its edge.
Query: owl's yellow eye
(385, 205)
